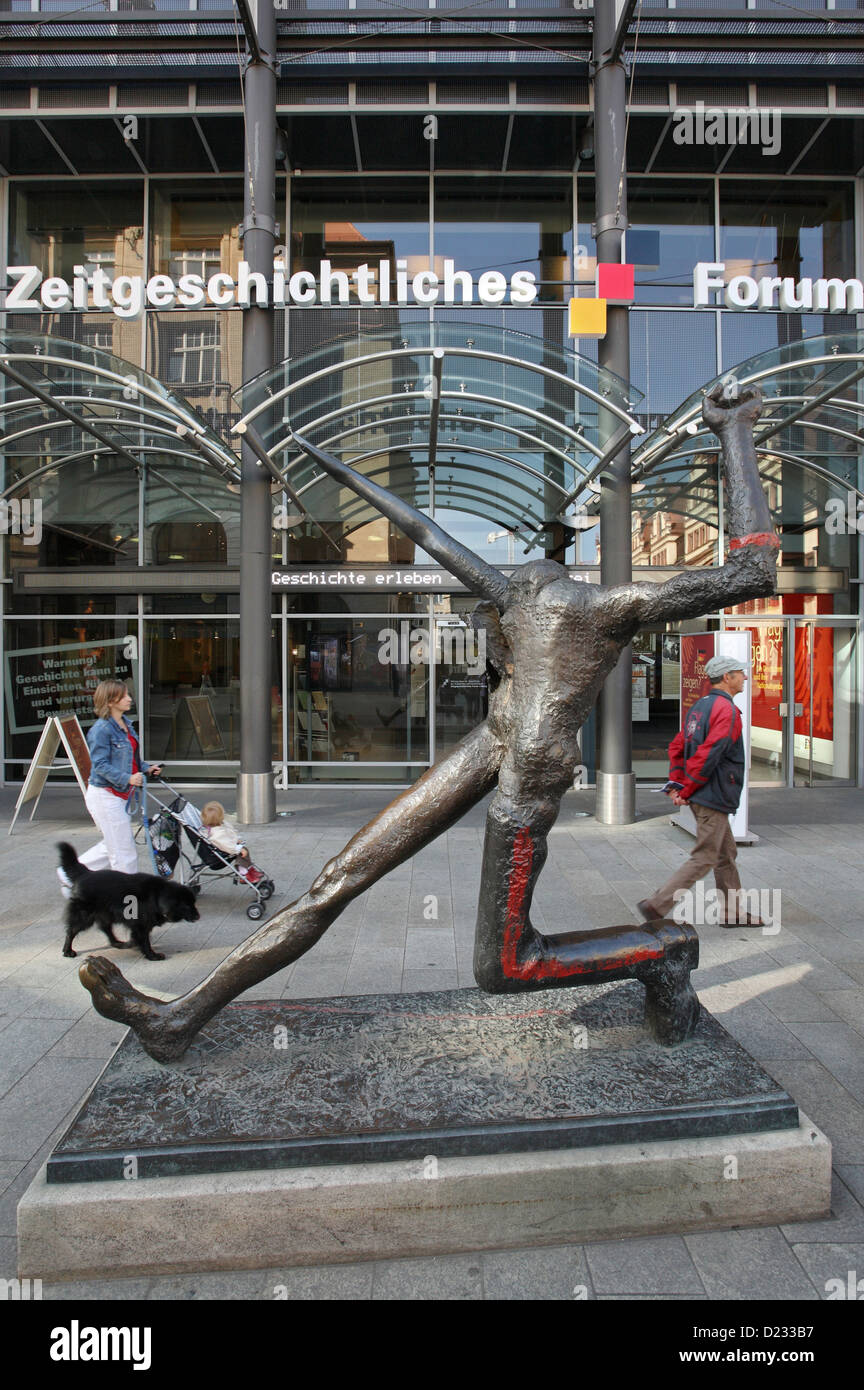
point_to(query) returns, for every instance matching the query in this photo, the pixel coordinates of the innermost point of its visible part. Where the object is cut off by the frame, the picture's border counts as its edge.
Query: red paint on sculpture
(757, 538)
(535, 968)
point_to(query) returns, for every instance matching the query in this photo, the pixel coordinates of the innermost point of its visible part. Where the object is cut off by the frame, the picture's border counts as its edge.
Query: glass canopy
(485, 420)
(807, 441)
(512, 430)
(82, 430)
(812, 422)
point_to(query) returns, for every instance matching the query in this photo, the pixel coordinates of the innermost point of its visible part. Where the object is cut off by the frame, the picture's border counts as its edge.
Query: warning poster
(46, 681)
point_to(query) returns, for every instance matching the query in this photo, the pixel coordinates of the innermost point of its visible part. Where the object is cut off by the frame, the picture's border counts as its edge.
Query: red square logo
(615, 283)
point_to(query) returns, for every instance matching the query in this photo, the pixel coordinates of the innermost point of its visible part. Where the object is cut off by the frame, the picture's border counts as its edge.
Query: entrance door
(769, 758)
(804, 700)
(825, 703)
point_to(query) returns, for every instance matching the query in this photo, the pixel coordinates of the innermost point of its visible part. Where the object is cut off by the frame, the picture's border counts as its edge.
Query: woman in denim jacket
(115, 769)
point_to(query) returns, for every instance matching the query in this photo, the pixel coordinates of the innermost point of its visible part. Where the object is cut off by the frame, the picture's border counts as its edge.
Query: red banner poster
(766, 691)
(823, 680)
(696, 650)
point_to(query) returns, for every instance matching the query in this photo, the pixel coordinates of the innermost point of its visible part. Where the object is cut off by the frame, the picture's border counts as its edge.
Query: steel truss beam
(215, 31)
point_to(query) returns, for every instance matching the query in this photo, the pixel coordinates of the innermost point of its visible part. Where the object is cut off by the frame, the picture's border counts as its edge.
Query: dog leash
(139, 795)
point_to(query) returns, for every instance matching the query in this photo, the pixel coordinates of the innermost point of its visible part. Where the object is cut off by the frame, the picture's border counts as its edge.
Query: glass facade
(373, 688)
(94, 224)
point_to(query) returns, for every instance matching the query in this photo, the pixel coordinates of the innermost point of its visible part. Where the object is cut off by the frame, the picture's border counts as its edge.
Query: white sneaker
(65, 883)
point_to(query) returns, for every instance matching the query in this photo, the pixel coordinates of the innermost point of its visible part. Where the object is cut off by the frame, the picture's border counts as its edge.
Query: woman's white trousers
(116, 849)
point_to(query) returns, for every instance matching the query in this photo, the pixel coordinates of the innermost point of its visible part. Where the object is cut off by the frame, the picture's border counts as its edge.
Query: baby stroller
(177, 825)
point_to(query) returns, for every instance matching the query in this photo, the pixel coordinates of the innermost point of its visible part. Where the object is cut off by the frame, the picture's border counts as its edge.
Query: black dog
(137, 901)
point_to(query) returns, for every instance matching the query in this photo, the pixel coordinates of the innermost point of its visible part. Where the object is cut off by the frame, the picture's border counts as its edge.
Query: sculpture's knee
(335, 883)
(498, 971)
(489, 975)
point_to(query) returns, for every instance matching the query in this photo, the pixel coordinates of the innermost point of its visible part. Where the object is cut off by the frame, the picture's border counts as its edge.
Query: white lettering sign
(127, 296)
(781, 292)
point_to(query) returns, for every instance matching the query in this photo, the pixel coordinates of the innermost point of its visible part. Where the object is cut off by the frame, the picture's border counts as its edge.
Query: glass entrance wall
(804, 694)
(825, 713)
(375, 698)
(768, 757)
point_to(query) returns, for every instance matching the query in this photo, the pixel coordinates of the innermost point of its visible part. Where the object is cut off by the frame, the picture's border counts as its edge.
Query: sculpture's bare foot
(672, 1008)
(162, 1029)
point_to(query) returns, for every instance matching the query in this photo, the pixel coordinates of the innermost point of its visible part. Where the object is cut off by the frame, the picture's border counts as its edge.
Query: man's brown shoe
(745, 921)
(647, 912)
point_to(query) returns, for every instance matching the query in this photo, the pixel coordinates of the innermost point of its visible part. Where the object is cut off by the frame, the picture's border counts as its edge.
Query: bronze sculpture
(550, 643)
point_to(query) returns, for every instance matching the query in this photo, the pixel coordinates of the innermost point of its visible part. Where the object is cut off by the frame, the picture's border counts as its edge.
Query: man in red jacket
(707, 773)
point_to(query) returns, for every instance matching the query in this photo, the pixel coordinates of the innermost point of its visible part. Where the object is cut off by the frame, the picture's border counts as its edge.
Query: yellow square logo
(587, 318)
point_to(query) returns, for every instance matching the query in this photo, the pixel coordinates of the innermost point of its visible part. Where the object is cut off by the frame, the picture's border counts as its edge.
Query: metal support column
(616, 782)
(256, 802)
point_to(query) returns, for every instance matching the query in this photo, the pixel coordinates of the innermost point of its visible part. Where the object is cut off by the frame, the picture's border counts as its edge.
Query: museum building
(435, 218)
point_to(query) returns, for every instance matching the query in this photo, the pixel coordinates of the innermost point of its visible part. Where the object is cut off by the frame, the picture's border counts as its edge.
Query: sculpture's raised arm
(475, 574)
(750, 570)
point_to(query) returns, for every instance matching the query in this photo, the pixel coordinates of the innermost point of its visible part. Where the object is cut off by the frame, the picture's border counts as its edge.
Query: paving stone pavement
(794, 999)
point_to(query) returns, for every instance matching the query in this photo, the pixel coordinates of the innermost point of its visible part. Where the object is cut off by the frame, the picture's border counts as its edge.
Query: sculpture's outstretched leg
(424, 811)
(511, 956)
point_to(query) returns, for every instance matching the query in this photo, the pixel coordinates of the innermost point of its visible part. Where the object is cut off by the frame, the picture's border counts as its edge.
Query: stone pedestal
(300, 1132)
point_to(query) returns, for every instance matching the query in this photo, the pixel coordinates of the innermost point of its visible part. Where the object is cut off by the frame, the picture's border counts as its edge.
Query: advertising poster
(696, 650)
(823, 681)
(670, 675)
(640, 689)
(767, 648)
(766, 694)
(816, 660)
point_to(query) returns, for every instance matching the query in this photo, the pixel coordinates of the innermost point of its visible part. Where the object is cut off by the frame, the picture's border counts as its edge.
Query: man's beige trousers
(714, 849)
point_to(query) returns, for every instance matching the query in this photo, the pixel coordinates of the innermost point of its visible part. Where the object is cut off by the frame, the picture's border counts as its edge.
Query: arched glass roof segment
(496, 423)
(468, 417)
(813, 421)
(64, 405)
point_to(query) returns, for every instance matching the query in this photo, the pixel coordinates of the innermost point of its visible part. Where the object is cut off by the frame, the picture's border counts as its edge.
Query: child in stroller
(217, 850)
(222, 834)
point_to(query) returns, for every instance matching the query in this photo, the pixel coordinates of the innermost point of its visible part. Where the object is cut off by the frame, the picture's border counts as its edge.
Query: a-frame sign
(58, 729)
